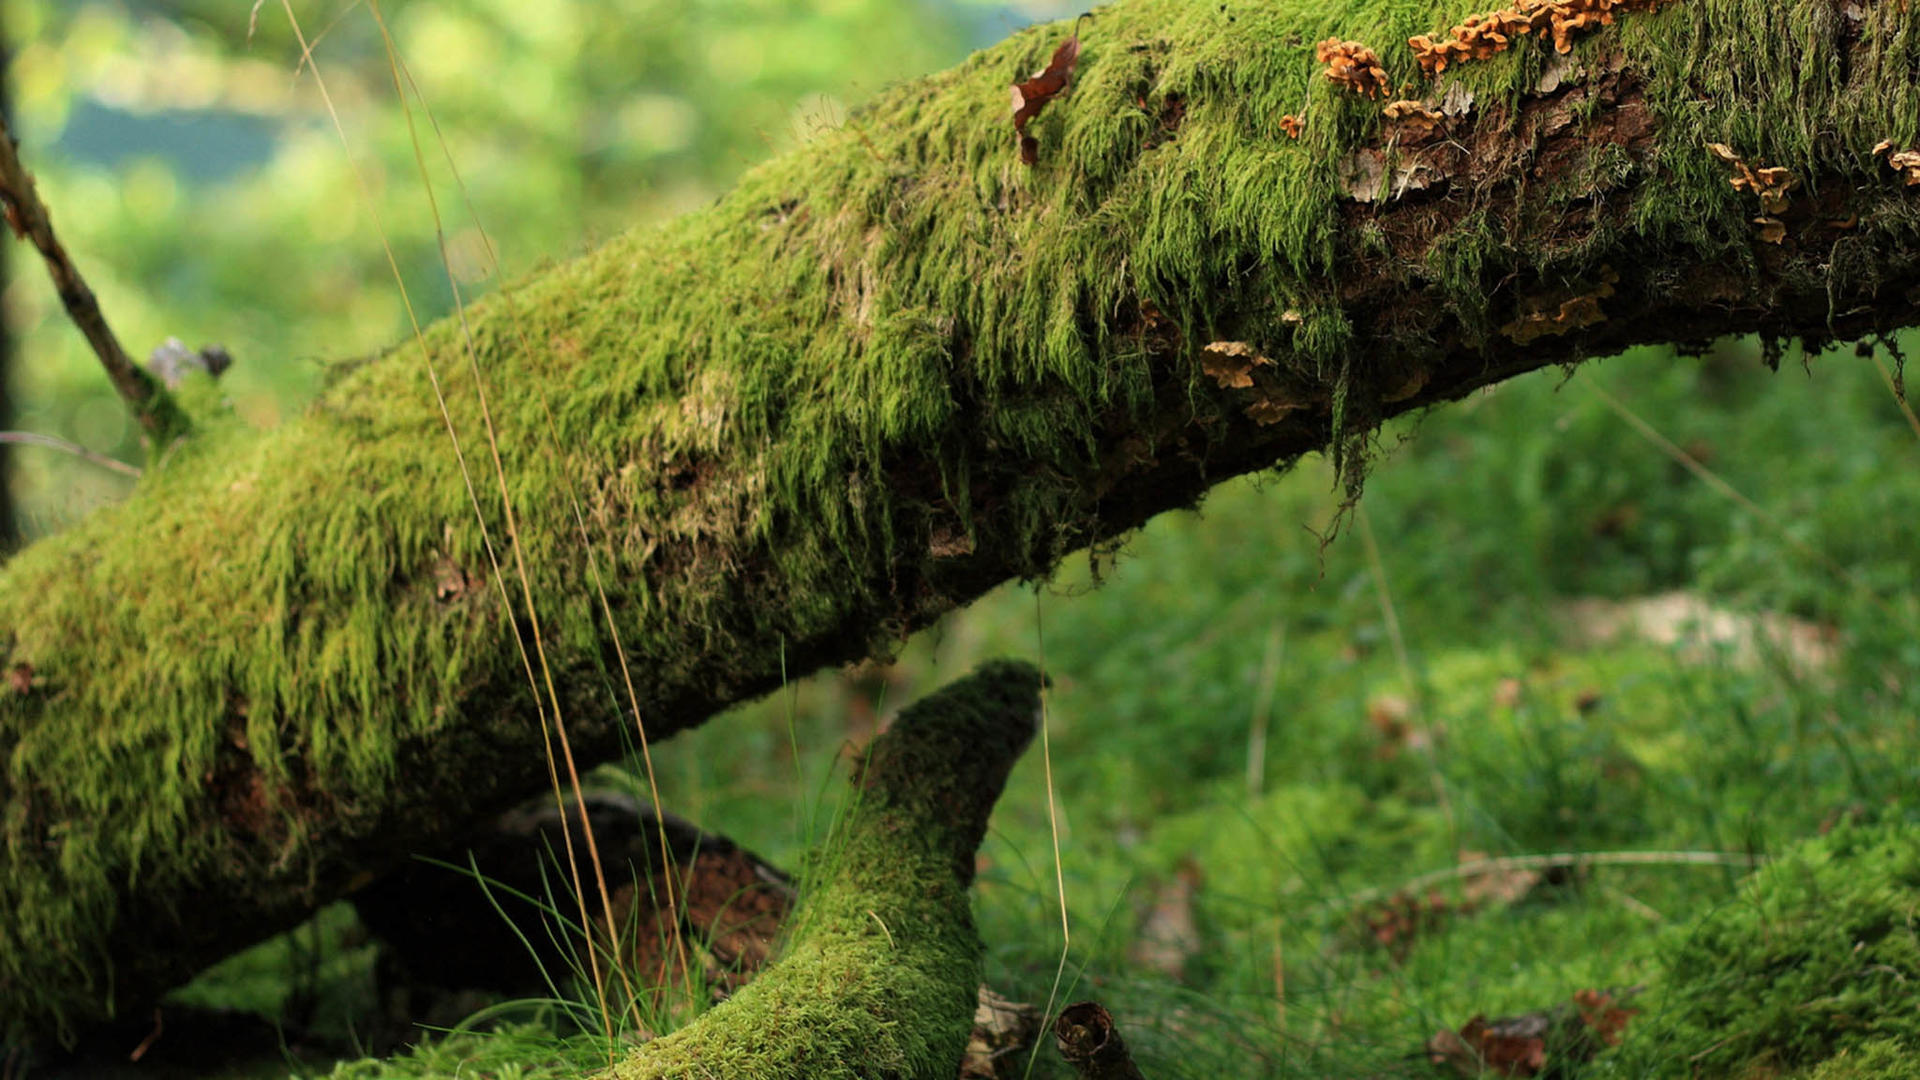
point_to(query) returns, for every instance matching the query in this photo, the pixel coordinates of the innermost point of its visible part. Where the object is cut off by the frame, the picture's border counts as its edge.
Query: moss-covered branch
(888, 371)
(880, 974)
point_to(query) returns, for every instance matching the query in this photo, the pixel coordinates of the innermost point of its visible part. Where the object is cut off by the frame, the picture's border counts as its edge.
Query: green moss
(878, 978)
(1878, 1059)
(1814, 962)
(228, 665)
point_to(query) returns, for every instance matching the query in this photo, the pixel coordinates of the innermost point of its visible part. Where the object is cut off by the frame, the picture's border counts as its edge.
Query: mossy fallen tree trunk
(887, 372)
(880, 974)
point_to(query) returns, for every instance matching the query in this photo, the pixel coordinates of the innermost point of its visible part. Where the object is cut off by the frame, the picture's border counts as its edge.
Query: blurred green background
(1543, 632)
(196, 179)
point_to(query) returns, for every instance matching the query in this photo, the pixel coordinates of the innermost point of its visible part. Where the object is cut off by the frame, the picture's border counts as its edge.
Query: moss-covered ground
(1490, 521)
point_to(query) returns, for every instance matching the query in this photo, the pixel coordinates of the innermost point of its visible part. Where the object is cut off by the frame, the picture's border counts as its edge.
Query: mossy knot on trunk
(878, 981)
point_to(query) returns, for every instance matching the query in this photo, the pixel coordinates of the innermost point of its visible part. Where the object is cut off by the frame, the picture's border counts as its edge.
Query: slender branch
(28, 216)
(28, 438)
(1899, 393)
(1571, 859)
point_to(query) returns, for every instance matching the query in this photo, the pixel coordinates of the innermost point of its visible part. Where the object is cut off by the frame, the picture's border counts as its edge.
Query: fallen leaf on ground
(1390, 717)
(1599, 1012)
(1524, 1045)
(1394, 922)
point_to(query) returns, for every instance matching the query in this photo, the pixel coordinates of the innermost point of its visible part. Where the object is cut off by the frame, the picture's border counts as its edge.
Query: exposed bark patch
(235, 785)
(1546, 146)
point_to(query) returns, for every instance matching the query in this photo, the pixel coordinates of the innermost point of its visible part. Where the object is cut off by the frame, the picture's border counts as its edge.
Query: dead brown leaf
(1390, 716)
(1397, 921)
(1522, 1045)
(1049, 82)
(1599, 1011)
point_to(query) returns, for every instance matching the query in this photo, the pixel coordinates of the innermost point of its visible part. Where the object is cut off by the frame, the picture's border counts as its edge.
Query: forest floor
(1540, 633)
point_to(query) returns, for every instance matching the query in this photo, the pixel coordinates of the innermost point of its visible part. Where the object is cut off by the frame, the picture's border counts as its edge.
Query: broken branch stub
(1087, 1038)
(880, 977)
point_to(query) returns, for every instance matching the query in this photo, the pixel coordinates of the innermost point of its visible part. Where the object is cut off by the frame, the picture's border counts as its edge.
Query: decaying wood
(1088, 1039)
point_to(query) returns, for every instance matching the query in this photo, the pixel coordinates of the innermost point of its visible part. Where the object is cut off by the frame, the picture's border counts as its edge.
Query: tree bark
(887, 372)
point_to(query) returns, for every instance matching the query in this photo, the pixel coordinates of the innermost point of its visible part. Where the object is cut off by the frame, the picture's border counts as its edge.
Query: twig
(1262, 707)
(1899, 393)
(28, 438)
(1572, 859)
(1431, 750)
(1713, 480)
(146, 1044)
(28, 216)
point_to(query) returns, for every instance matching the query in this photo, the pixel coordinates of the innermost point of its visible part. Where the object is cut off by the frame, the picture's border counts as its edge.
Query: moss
(233, 667)
(879, 977)
(1877, 1059)
(1812, 967)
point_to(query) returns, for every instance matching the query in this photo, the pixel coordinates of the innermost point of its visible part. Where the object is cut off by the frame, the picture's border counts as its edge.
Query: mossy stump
(879, 978)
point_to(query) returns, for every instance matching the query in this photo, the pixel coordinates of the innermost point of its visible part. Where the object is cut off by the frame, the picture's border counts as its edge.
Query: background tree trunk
(9, 524)
(887, 372)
